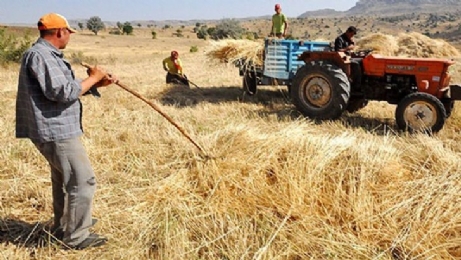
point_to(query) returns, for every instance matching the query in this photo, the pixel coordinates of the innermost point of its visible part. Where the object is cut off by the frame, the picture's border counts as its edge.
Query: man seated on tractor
(173, 66)
(344, 42)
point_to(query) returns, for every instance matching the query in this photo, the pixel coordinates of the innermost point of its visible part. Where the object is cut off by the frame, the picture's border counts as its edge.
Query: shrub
(251, 36)
(178, 33)
(79, 57)
(193, 48)
(154, 35)
(202, 33)
(12, 48)
(115, 31)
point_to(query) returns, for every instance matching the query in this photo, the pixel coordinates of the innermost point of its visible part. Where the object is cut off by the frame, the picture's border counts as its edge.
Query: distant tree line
(95, 24)
(226, 29)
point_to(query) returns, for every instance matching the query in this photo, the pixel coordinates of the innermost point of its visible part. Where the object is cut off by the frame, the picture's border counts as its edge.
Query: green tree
(95, 24)
(227, 29)
(81, 26)
(139, 25)
(211, 31)
(154, 35)
(127, 28)
(202, 33)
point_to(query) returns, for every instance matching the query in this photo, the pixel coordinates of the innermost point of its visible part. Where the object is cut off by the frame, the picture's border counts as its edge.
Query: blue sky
(29, 11)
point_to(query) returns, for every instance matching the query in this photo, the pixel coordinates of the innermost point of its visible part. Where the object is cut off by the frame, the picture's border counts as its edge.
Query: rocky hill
(327, 13)
(391, 8)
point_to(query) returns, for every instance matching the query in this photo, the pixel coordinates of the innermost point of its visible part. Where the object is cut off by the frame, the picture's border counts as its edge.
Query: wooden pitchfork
(156, 108)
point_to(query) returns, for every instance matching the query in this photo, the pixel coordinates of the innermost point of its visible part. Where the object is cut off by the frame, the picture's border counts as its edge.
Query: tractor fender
(340, 59)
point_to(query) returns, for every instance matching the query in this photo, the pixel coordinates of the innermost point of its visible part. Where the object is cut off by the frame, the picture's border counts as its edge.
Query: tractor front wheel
(420, 112)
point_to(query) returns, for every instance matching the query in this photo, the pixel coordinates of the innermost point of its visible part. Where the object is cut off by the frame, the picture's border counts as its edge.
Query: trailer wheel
(320, 91)
(420, 112)
(250, 82)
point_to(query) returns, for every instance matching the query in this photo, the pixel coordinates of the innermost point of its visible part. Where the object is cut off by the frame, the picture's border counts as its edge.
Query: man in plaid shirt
(49, 112)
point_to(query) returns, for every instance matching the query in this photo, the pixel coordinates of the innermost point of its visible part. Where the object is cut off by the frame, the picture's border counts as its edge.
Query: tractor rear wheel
(320, 91)
(250, 82)
(420, 112)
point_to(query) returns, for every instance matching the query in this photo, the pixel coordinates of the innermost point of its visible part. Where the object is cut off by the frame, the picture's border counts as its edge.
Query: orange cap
(54, 21)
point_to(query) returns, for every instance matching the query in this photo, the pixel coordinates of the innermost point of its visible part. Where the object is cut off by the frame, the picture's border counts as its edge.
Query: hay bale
(230, 51)
(383, 44)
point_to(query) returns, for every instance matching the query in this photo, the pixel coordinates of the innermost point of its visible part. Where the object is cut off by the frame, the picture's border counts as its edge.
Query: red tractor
(332, 82)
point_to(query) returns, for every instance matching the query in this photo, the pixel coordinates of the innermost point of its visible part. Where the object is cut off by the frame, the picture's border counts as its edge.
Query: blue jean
(73, 187)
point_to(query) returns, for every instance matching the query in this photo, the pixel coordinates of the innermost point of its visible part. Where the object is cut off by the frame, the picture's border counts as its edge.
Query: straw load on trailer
(407, 45)
(231, 51)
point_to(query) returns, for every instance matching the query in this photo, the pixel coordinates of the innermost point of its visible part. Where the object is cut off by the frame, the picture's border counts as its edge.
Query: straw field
(276, 185)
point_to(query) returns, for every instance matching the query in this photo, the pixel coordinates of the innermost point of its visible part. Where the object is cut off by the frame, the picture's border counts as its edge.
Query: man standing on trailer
(279, 23)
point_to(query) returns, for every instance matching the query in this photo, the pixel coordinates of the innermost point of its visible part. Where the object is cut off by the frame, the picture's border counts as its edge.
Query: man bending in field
(173, 66)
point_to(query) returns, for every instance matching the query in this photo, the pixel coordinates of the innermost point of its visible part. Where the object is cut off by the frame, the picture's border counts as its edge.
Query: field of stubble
(276, 186)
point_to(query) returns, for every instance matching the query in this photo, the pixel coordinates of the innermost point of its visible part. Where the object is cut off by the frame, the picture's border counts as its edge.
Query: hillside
(390, 8)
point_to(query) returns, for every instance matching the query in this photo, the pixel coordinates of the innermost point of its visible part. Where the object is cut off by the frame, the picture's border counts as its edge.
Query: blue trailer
(280, 63)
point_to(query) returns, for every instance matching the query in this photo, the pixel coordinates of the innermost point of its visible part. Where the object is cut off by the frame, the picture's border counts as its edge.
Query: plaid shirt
(47, 104)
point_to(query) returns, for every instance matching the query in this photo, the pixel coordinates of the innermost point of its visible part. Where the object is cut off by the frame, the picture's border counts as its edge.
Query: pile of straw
(416, 44)
(380, 43)
(230, 51)
(408, 45)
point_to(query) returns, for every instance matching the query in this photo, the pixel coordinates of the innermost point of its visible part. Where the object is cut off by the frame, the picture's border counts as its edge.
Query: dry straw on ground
(279, 186)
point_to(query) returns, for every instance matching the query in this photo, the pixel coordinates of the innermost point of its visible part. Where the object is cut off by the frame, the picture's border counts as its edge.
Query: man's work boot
(93, 240)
